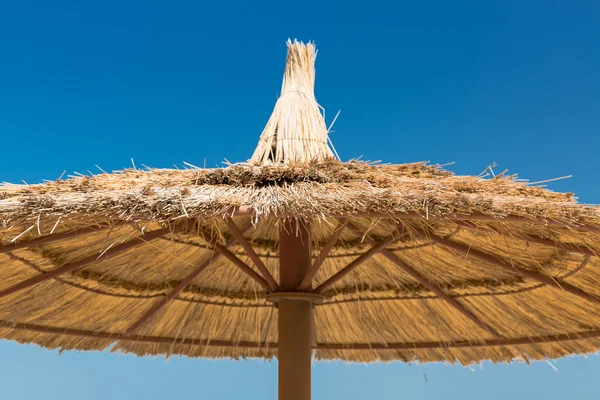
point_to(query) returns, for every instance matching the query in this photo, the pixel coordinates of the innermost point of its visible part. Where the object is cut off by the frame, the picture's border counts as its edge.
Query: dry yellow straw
(296, 130)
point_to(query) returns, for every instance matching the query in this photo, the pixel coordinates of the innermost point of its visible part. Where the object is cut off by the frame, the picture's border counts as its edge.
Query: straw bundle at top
(296, 130)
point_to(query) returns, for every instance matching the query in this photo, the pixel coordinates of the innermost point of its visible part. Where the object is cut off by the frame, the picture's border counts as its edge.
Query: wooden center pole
(295, 315)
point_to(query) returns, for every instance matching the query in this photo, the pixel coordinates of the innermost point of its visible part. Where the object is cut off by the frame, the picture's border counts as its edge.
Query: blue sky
(511, 82)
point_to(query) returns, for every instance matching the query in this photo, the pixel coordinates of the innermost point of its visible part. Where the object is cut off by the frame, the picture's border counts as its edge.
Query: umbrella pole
(295, 318)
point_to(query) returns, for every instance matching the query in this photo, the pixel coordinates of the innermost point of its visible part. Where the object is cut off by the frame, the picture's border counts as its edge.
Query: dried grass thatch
(296, 130)
(452, 268)
(376, 312)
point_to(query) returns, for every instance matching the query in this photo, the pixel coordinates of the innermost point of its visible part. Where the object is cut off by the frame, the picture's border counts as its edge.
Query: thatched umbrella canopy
(295, 254)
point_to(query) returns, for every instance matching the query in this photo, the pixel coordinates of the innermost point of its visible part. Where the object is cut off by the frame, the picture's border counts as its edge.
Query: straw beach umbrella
(297, 255)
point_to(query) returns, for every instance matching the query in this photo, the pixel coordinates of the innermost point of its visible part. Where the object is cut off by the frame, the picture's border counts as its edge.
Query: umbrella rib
(536, 239)
(314, 268)
(51, 238)
(133, 338)
(51, 330)
(564, 337)
(464, 295)
(471, 251)
(162, 302)
(376, 248)
(245, 268)
(432, 287)
(247, 212)
(239, 236)
(113, 251)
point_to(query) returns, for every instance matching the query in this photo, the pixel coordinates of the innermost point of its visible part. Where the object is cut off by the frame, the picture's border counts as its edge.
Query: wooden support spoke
(354, 264)
(534, 221)
(243, 267)
(314, 268)
(163, 301)
(519, 341)
(477, 216)
(50, 330)
(237, 262)
(50, 238)
(457, 344)
(238, 234)
(572, 248)
(111, 252)
(403, 265)
(545, 279)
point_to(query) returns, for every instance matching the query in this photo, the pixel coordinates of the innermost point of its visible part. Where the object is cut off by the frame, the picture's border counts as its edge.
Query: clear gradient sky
(508, 81)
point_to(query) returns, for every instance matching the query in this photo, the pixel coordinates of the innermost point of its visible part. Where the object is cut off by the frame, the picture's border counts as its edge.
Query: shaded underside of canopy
(450, 268)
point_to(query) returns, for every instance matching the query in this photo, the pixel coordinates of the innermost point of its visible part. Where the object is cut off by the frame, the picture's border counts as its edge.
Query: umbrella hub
(278, 297)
